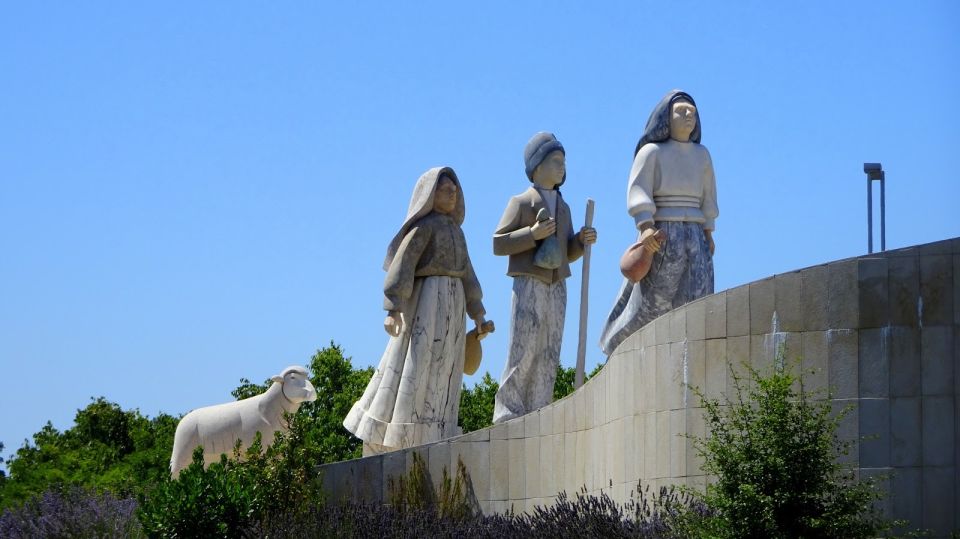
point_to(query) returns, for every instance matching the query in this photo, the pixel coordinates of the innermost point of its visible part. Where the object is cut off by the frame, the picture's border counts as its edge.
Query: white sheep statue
(217, 428)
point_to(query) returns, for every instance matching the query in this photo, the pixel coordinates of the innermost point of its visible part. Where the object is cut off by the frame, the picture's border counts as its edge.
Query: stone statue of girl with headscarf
(671, 189)
(414, 395)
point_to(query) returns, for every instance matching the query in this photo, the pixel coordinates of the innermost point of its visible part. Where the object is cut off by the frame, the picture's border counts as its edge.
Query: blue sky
(191, 193)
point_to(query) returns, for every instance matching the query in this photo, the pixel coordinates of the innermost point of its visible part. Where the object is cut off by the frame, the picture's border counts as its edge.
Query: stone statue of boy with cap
(536, 232)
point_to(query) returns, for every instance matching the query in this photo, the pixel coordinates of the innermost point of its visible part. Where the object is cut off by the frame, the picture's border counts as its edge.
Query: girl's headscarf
(421, 204)
(658, 126)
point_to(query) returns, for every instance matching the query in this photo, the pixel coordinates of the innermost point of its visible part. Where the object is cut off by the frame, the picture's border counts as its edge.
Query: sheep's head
(296, 386)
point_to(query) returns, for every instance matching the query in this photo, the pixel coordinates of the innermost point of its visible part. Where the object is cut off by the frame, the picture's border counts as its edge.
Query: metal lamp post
(874, 171)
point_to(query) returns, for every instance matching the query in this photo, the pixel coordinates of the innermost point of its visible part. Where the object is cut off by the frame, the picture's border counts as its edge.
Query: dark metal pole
(874, 171)
(869, 215)
(883, 212)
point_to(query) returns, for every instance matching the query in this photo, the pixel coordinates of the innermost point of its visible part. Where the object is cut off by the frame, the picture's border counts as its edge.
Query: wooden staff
(584, 288)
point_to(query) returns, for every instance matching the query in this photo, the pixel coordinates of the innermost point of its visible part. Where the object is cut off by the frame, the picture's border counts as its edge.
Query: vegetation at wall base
(774, 449)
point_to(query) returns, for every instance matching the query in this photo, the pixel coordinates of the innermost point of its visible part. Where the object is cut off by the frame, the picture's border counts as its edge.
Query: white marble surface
(217, 428)
(536, 330)
(414, 395)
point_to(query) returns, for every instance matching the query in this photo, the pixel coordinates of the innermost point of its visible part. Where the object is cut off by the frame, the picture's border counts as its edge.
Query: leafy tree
(476, 405)
(106, 449)
(774, 451)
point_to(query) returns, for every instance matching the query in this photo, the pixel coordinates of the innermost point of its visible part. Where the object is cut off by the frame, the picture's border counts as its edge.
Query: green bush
(774, 451)
(231, 497)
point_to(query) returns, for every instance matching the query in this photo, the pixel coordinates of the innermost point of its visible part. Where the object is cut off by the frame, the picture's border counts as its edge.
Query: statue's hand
(542, 229)
(483, 327)
(393, 323)
(713, 246)
(587, 235)
(651, 239)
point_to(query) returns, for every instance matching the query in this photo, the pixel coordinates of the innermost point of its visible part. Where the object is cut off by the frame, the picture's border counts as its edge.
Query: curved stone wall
(882, 332)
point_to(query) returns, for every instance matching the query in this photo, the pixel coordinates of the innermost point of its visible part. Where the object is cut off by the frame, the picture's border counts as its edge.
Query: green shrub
(231, 497)
(774, 452)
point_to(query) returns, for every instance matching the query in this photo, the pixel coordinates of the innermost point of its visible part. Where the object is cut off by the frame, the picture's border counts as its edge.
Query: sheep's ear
(277, 378)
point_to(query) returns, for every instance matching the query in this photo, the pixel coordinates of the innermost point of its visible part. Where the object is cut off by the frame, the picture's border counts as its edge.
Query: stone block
(881, 477)
(598, 396)
(943, 247)
(532, 466)
(583, 458)
(559, 461)
(788, 303)
(517, 479)
(627, 451)
(559, 414)
(648, 394)
(903, 281)
(956, 290)
(476, 459)
(936, 290)
(482, 435)
(814, 284)
(738, 311)
(696, 319)
(584, 402)
(905, 432)
(678, 324)
(715, 366)
(842, 295)
(395, 465)
(368, 481)
(696, 428)
(666, 395)
(629, 344)
(843, 352)
(738, 360)
(663, 441)
(650, 446)
(695, 372)
(546, 420)
(570, 412)
(715, 323)
(515, 428)
(335, 483)
(499, 432)
(904, 354)
(874, 295)
(939, 500)
(848, 428)
(679, 372)
(678, 443)
(548, 466)
(636, 450)
(906, 495)
(937, 361)
(938, 431)
(648, 336)
(662, 327)
(569, 472)
(626, 384)
(874, 362)
(762, 302)
(814, 364)
(874, 433)
(438, 462)
(531, 424)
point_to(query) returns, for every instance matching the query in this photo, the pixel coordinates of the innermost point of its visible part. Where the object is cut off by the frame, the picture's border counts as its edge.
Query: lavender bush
(73, 512)
(664, 515)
